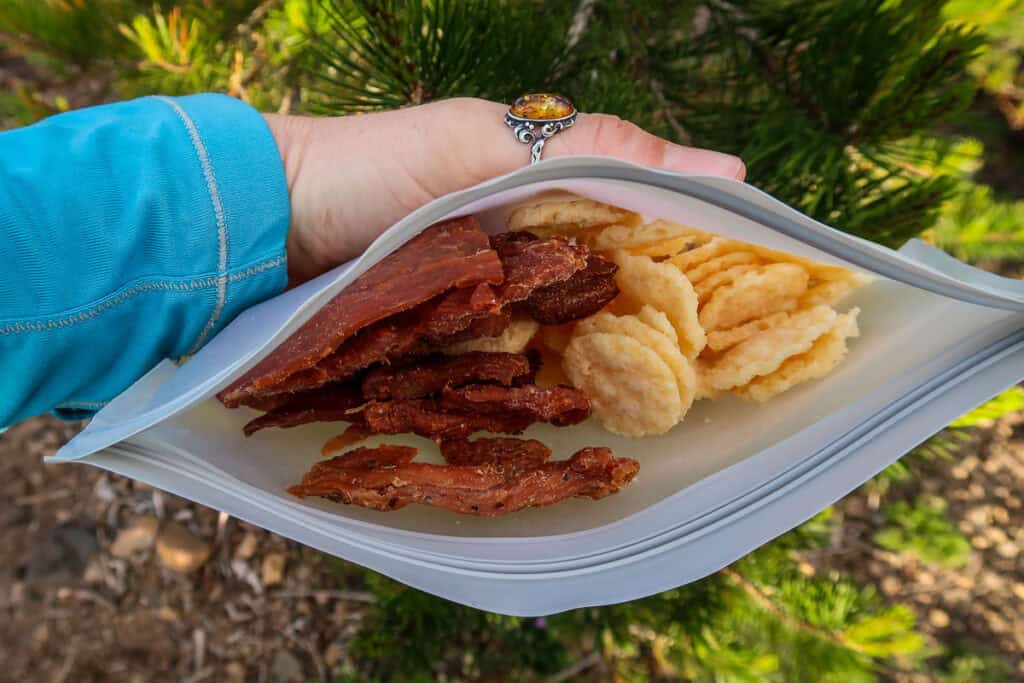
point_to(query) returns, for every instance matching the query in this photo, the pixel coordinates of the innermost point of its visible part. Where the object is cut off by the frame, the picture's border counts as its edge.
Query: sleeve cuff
(244, 175)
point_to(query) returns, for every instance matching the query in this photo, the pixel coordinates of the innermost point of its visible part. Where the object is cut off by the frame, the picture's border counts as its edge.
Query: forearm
(131, 233)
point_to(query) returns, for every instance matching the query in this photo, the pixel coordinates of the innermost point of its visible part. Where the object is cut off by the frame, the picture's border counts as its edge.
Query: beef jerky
(430, 375)
(329, 403)
(586, 292)
(559, 405)
(531, 263)
(425, 417)
(505, 452)
(385, 479)
(406, 335)
(451, 254)
(353, 434)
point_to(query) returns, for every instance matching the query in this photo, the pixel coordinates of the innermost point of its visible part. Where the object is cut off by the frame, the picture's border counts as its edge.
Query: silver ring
(536, 117)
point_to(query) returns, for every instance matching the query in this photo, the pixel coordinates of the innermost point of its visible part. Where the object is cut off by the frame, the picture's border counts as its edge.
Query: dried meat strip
(451, 254)
(330, 403)
(559, 405)
(507, 452)
(531, 263)
(431, 375)
(406, 335)
(425, 417)
(583, 294)
(389, 481)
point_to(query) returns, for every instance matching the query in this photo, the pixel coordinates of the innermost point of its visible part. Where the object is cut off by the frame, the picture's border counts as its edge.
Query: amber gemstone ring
(536, 117)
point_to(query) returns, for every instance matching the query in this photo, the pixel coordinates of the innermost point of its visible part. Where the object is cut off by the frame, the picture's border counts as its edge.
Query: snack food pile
(698, 316)
(579, 309)
(431, 341)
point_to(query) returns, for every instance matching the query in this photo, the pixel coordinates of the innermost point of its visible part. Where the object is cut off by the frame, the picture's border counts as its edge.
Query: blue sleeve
(130, 233)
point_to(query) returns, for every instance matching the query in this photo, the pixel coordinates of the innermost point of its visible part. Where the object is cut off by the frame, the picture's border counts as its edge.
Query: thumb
(593, 134)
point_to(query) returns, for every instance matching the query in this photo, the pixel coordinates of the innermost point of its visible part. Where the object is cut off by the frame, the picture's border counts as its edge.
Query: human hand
(351, 177)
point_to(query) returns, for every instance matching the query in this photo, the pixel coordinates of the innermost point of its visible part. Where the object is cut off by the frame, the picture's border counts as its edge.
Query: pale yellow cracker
(720, 263)
(625, 236)
(659, 321)
(631, 389)
(662, 286)
(816, 269)
(830, 292)
(704, 390)
(514, 339)
(764, 352)
(706, 287)
(632, 326)
(753, 295)
(661, 250)
(568, 216)
(716, 246)
(720, 340)
(822, 358)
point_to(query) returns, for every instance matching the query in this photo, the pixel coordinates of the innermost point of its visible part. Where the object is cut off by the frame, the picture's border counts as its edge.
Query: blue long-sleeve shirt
(130, 233)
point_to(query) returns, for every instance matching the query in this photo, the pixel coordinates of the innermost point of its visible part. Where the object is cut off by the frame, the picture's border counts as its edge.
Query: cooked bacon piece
(451, 254)
(406, 335)
(583, 294)
(329, 403)
(508, 452)
(384, 478)
(558, 405)
(431, 375)
(531, 263)
(427, 418)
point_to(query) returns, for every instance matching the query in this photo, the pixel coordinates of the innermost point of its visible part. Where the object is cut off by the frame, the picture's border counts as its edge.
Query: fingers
(483, 130)
(607, 135)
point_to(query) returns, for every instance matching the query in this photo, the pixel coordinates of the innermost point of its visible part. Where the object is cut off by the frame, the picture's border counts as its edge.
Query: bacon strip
(431, 375)
(583, 294)
(329, 403)
(384, 478)
(451, 254)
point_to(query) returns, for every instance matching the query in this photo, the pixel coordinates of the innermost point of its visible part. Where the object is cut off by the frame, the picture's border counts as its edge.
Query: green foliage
(377, 54)
(923, 528)
(843, 108)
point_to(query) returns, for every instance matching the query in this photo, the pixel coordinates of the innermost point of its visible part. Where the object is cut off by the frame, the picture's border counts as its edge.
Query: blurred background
(888, 119)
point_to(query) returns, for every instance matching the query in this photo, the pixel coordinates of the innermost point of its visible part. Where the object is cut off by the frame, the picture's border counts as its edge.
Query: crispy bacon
(558, 405)
(583, 294)
(329, 403)
(433, 374)
(385, 478)
(451, 254)
(531, 263)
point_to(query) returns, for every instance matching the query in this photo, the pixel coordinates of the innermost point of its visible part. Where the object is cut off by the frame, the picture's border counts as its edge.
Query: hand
(352, 177)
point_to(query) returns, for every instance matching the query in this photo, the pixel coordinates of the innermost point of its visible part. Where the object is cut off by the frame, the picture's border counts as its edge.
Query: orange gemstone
(542, 107)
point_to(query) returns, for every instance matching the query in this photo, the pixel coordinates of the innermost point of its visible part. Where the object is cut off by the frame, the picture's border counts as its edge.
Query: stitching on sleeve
(218, 210)
(123, 295)
(81, 405)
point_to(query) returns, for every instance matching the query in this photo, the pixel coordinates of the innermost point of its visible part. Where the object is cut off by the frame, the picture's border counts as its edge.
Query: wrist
(291, 134)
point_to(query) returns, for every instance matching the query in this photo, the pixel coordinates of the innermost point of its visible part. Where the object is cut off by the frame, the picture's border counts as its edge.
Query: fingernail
(703, 161)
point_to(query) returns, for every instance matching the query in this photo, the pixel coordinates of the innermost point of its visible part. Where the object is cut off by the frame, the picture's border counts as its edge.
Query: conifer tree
(836, 107)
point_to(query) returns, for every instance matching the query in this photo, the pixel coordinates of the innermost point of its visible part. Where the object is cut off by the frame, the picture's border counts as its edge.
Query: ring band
(536, 117)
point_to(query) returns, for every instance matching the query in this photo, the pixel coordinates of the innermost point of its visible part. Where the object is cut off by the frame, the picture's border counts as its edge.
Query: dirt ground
(91, 587)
